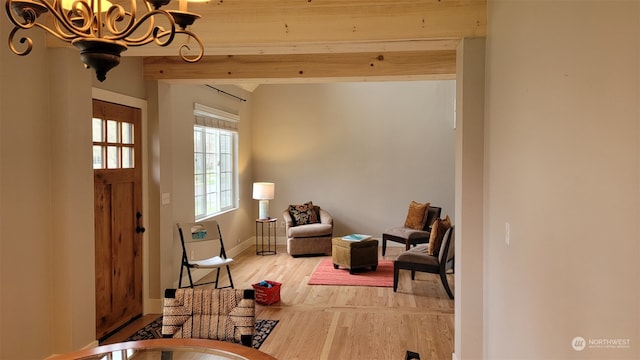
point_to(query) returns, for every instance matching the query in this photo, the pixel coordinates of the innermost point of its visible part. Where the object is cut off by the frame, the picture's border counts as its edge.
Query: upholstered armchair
(309, 230)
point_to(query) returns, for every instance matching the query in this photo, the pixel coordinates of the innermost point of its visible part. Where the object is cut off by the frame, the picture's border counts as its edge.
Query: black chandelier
(102, 30)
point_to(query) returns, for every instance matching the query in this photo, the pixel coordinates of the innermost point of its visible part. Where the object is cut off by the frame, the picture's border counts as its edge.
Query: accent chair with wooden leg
(419, 259)
(412, 235)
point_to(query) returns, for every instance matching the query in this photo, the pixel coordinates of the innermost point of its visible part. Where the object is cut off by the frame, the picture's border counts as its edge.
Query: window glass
(127, 133)
(215, 170)
(113, 131)
(98, 133)
(127, 157)
(113, 157)
(98, 157)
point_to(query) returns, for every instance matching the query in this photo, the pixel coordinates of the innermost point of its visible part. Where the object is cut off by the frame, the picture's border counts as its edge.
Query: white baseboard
(250, 242)
(242, 246)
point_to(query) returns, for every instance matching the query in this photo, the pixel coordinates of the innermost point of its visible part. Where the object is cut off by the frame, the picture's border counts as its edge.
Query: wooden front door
(117, 163)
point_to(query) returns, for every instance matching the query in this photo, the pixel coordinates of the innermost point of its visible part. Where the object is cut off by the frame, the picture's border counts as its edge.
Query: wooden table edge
(237, 349)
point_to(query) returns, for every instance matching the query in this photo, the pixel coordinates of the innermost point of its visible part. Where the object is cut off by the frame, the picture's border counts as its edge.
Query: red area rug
(325, 274)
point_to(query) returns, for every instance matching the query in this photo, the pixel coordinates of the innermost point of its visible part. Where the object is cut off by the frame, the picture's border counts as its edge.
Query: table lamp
(263, 191)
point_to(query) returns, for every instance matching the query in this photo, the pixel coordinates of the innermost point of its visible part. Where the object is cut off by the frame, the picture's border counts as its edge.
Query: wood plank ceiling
(306, 40)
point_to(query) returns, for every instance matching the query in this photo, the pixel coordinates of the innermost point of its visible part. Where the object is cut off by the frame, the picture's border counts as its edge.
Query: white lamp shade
(263, 190)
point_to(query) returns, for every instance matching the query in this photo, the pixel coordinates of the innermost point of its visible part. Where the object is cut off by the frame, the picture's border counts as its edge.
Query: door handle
(139, 229)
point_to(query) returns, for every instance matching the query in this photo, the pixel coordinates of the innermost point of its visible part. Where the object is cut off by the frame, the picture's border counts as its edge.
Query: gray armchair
(309, 238)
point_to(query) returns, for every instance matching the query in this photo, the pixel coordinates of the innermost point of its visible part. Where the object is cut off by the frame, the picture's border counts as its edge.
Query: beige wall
(562, 132)
(46, 200)
(71, 183)
(126, 78)
(362, 151)
(46, 246)
(25, 213)
(469, 199)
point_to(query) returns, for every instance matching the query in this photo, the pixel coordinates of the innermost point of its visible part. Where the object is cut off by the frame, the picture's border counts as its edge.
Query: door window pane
(127, 158)
(98, 157)
(113, 157)
(98, 130)
(127, 133)
(113, 131)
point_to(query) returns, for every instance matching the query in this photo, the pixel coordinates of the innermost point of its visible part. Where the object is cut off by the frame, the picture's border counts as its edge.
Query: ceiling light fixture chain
(101, 30)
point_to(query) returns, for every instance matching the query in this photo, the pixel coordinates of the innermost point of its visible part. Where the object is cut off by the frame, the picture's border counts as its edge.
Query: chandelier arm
(79, 9)
(121, 34)
(117, 13)
(157, 32)
(67, 33)
(59, 33)
(29, 41)
(23, 40)
(65, 30)
(185, 47)
(27, 24)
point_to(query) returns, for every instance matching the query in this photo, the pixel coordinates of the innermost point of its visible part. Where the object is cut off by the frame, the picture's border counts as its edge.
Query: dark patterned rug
(154, 331)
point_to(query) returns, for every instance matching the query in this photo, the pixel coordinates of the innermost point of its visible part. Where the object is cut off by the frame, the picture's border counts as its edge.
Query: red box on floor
(267, 295)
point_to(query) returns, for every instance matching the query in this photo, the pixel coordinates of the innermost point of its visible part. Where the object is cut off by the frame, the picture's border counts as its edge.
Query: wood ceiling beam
(425, 64)
(322, 47)
(303, 40)
(230, 23)
(256, 27)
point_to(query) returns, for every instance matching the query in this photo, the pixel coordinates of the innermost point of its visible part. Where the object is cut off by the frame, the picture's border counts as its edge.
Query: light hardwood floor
(343, 322)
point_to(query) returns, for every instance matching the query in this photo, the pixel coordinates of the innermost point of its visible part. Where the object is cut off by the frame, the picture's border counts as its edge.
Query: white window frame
(219, 124)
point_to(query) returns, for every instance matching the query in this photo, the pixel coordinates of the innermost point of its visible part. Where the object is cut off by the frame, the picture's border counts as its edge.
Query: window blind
(214, 118)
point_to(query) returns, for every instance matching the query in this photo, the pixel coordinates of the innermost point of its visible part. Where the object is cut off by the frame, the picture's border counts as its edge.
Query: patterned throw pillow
(303, 214)
(438, 230)
(417, 215)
